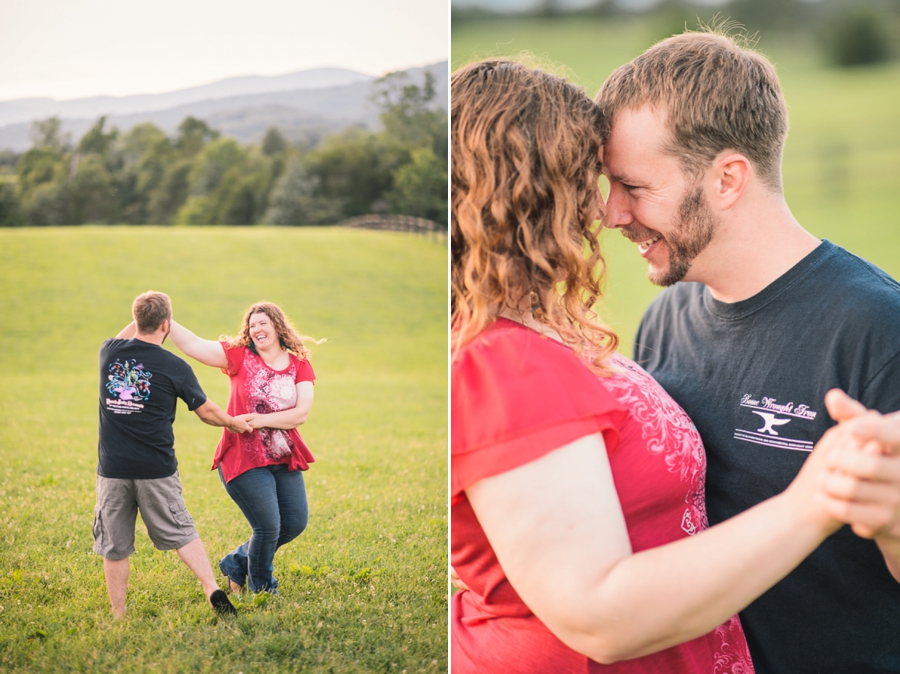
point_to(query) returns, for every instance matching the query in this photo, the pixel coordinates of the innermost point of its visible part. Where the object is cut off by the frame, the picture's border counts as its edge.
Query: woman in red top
(578, 523)
(272, 389)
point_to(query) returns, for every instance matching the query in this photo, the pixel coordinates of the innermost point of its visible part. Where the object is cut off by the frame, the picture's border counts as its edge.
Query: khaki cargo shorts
(161, 504)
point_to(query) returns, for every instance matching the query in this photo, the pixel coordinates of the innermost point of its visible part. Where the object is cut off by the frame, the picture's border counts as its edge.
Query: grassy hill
(364, 588)
(842, 159)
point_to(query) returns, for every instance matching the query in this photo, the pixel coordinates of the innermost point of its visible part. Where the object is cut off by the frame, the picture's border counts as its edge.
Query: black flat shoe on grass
(221, 603)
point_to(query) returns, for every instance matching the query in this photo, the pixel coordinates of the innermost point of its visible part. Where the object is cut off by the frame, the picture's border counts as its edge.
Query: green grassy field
(364, 588)
(842, 159)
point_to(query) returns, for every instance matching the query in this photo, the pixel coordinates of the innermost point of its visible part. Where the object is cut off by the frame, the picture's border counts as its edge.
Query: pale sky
(76, 48)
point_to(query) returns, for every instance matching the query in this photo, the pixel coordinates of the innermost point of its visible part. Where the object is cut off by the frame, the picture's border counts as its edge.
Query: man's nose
(617, 212)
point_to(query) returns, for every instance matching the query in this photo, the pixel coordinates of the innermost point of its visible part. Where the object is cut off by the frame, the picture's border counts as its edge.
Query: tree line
(143, 176)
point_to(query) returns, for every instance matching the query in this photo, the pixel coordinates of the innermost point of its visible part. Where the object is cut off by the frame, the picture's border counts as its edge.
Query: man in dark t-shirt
(140, 383)
(768, 320)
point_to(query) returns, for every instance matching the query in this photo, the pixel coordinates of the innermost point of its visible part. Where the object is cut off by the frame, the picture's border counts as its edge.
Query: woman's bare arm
(287, 419)
(205, 351)
(557, 528)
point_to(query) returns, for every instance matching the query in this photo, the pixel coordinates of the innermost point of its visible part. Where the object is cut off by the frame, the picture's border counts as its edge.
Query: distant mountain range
(305, 105)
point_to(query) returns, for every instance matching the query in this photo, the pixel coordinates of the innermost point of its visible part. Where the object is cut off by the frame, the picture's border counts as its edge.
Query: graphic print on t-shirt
(128, 383)
(272, 392)
(667, 431)
(772, 423)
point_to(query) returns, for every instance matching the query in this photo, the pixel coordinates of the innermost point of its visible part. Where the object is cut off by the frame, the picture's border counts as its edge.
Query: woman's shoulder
(235, 354)
(301, 367)
(511, 347)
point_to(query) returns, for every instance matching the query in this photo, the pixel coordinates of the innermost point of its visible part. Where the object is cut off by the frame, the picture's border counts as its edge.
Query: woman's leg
(255, 494)
(292, 503)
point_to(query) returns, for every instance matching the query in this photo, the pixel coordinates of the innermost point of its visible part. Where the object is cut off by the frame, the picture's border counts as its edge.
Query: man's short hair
(715, 94)
(150, 310)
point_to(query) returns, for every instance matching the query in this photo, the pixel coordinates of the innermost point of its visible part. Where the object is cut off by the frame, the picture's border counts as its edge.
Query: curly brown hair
(524, 198)
(288, 336)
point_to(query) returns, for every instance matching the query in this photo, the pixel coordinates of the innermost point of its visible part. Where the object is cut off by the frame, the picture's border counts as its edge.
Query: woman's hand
(248, 419)
(239, 424)
(807, 490)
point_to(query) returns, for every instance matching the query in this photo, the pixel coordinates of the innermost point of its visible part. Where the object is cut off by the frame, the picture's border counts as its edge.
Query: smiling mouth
(644, 246)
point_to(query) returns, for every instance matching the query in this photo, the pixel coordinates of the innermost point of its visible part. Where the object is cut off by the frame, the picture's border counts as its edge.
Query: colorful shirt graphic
(257, 388)
(128, 382)
(139, 386)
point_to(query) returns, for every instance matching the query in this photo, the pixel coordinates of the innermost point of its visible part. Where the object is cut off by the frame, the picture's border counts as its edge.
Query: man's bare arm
(212, 414)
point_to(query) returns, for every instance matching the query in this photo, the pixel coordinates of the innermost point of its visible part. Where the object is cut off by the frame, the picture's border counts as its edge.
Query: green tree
(352, 169)
(273, 143)
(410, 115)
(144, 155)
(9, 205)
(42, 176)
(243, 194)
(48, 204)
(91, 194)
(856, 36)
(211, 164)
(295, 199)
(172, 191)
(420, 187)
(95, 141)
(193, 135)
(46, 134)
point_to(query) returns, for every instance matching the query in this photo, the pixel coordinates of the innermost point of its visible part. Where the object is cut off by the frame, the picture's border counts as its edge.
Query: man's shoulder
(135, 348)
(859, 286)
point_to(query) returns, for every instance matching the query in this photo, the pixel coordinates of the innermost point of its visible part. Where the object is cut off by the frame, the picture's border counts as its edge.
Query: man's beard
(690, 234)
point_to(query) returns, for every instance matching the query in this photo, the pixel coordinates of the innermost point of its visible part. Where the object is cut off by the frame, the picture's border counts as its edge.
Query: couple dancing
(260, 457)
(581, 491)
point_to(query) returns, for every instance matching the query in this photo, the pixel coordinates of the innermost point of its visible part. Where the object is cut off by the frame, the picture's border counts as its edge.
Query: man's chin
(668, 275)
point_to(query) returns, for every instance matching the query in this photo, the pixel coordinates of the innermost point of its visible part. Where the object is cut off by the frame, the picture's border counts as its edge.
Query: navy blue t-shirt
(139, 387)
(753, 376)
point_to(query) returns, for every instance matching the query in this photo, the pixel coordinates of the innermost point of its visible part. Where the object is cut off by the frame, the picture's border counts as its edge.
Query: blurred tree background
(839, 66)
(200, 177)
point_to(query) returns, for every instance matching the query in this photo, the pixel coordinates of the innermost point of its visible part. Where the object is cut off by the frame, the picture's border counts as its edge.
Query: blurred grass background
(364, 587)
(842, 158)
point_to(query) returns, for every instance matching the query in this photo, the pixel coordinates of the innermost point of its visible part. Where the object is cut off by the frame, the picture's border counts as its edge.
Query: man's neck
(153, 338)
(752, 251)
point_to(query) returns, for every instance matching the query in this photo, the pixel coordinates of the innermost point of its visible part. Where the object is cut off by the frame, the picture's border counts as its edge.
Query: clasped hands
(245, 423)
(860, 485)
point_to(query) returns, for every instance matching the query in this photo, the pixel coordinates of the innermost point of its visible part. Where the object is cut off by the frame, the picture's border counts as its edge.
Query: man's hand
(239, 424)
(253, 420)
(866, 480)
(864, 483)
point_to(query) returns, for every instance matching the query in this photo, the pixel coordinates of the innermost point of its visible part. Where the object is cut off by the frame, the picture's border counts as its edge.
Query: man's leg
(170, 526)
(194, 555)
(116, 572)
(114, 518)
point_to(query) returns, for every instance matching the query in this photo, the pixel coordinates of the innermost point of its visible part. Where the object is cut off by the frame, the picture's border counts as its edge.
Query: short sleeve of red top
(257, 388)
(516, 396)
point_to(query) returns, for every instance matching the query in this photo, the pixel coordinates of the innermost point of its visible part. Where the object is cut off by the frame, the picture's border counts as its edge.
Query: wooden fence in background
(399, 223)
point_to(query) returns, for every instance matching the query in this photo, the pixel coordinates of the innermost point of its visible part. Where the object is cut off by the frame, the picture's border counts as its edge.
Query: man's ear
(731, 174)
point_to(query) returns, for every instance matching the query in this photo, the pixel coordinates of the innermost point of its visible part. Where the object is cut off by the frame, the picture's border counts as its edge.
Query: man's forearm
(212, 414)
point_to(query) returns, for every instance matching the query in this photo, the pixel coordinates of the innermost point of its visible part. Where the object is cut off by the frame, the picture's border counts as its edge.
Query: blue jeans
(274, 502)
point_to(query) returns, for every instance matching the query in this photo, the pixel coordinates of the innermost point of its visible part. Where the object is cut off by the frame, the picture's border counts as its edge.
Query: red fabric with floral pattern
(526, 392)
(256, 387)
